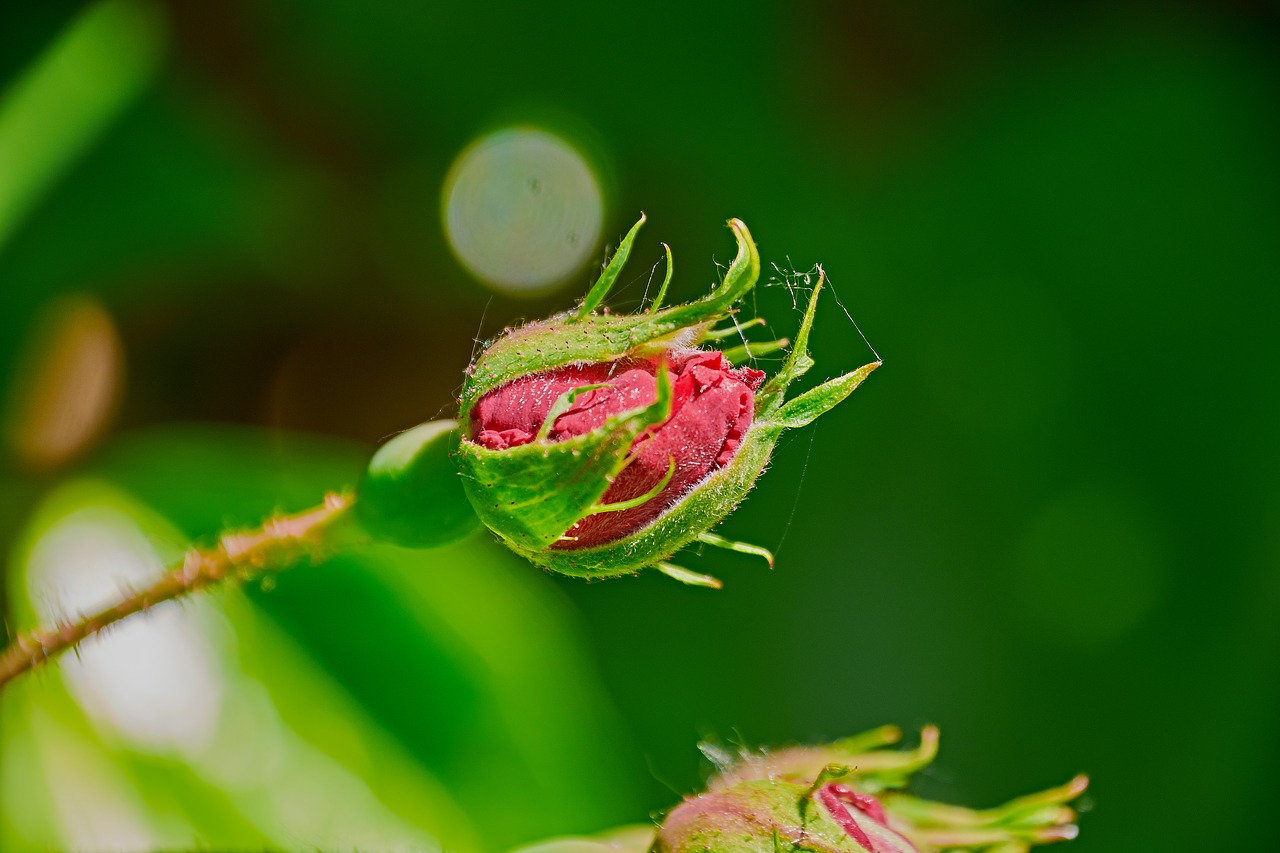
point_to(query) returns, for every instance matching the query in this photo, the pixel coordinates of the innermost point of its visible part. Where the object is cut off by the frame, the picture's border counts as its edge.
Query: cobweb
(796, 283)
(799, 286)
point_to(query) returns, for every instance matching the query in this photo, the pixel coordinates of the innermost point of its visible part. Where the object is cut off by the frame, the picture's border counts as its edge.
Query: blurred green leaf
(80, 84)
(441, 679)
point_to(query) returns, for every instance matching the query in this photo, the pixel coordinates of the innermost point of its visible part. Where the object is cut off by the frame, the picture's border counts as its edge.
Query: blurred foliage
(421, 684)
(1048, 524)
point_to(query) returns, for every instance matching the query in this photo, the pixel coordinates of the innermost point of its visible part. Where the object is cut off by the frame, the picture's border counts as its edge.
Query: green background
(1049, 524)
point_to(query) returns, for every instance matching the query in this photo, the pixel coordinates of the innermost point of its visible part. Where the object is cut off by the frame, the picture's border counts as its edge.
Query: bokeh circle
(523, 210)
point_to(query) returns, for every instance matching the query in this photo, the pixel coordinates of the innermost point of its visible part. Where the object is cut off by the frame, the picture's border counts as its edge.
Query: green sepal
(866, 741)
(736, 328)
(703, 508)
(562, 405)
(1040, 818)
(639, 500)
(588, 338)
(717, 541)
(690, 519)
(531, 494)
(688, 577)
(666, 280)
(744, 353)
(411, 494)
(797, 362)
(604, 284)
(878, 769)
(806, 408)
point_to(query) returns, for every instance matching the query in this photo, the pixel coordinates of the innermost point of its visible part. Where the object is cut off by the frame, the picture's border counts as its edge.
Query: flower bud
(711, 409)
(847, 797)
(600, 444)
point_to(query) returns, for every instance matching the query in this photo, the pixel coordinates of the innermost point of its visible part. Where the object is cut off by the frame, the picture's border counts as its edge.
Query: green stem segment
(280, 542)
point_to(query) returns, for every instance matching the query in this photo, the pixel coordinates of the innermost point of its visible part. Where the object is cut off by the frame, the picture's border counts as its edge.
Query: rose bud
(847, 797)
(599, 444)
(711, 409)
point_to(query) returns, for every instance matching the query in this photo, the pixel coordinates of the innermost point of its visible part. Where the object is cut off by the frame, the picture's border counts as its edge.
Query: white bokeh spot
(154, 679)
(523, 210)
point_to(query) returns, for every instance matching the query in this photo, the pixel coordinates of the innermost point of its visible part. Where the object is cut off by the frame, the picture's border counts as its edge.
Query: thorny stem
(278, 543)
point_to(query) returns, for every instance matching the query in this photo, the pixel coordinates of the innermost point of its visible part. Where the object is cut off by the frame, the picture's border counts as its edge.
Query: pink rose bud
(848, 797)
(711, 409)
(600, 444)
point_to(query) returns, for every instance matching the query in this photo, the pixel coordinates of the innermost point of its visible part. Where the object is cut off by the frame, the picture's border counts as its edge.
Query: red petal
(711, 410)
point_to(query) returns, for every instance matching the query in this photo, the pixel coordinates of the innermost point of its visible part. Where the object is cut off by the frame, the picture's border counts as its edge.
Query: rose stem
(277, 544)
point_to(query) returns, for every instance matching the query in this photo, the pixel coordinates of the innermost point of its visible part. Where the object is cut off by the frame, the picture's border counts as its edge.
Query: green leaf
(68, 97)
(209, 782)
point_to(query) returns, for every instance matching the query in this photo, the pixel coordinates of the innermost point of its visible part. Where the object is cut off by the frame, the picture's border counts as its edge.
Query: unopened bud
(848, 797)
(600, 444)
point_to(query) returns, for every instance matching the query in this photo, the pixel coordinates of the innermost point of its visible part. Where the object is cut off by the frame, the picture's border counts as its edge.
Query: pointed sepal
(532, 494)
(809, 406)
(717, 541)
(666, 280)
(689, 578)
(604, 284)
(798, 360)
